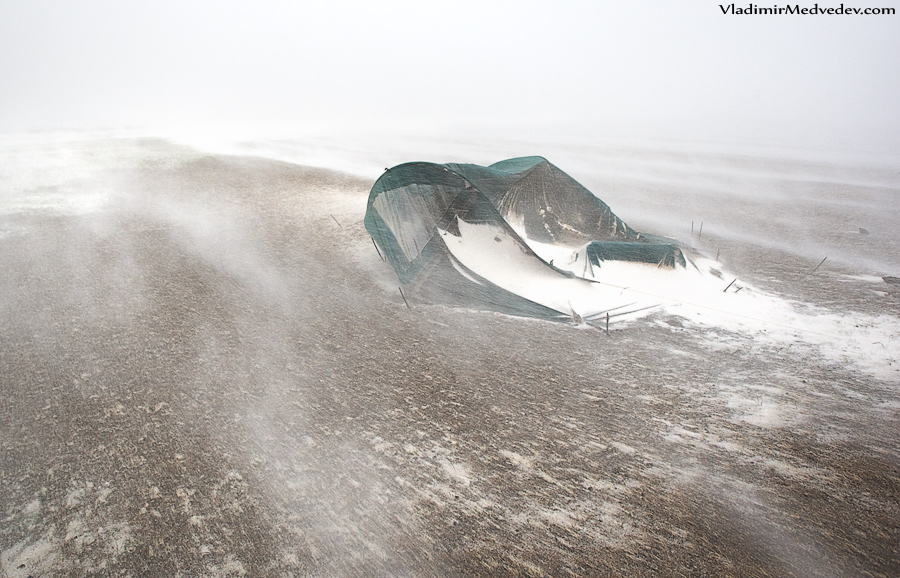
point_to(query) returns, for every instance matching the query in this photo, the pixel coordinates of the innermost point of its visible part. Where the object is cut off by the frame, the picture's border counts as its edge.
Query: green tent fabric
(410, 204)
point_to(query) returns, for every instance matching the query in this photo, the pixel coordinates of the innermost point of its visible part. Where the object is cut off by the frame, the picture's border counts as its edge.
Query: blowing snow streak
(203, 375)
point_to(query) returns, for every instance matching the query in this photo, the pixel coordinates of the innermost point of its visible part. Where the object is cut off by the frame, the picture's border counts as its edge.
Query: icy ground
(206, 370)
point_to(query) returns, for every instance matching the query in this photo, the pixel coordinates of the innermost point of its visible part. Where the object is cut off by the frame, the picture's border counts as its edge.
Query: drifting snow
(703, 293)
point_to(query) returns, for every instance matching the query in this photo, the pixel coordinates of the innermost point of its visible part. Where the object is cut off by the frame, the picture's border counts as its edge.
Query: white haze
(681, 71)
(792, 206)
(86, 212)
(778, 135)
(818, 201)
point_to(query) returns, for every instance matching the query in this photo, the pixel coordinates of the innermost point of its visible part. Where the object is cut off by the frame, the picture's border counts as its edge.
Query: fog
(680, 71)
(207, 368)
(209, 371)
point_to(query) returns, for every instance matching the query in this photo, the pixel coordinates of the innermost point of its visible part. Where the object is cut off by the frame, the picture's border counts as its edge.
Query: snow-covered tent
(464, 232)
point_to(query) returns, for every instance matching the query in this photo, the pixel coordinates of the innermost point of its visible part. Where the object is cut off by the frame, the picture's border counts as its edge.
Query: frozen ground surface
(207, 371)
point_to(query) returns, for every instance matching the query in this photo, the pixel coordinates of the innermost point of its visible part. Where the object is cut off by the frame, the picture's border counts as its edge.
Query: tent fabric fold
(413, 206)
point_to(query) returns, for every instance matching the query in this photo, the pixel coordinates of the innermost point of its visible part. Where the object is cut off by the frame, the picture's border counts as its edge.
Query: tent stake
(404, 297)
(376, 248)
(819, 265)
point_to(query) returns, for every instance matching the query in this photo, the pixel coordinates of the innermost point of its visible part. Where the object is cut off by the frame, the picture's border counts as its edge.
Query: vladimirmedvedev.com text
(815, 9)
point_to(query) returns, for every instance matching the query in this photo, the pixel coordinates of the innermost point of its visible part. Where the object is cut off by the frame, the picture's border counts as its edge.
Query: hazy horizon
(651, 70)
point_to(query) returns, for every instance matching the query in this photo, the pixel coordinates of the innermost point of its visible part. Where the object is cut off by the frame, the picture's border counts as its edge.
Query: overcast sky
(661, 68)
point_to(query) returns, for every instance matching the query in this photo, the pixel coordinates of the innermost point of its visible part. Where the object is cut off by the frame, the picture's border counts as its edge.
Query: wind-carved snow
(702, 293)
(491, 252)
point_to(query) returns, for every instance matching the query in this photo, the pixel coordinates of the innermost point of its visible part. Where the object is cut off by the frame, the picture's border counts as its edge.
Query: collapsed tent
(466, 234)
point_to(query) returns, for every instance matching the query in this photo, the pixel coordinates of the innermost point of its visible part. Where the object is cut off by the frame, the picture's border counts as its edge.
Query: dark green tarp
(410, 203)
